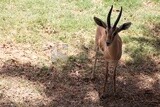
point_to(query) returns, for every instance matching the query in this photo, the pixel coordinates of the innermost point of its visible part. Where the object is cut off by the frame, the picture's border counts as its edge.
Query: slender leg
(106, 79)
(114, 79)
(94, 67)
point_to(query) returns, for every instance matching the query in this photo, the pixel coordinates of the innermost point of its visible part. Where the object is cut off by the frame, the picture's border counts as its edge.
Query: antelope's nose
(108, 43)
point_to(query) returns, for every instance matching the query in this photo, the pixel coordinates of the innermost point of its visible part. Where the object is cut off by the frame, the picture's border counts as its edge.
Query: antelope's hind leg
(114, 79)
(106, 78)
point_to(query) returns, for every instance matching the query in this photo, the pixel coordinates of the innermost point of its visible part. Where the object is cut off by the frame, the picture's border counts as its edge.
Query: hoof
(92, 78)
(115, 95)
(86, 79)
(104, 96)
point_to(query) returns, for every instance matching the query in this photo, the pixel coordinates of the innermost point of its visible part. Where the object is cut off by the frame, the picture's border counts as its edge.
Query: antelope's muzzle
(108, 43)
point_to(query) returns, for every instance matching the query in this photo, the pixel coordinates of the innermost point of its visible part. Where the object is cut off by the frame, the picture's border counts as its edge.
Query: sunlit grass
(39, 21)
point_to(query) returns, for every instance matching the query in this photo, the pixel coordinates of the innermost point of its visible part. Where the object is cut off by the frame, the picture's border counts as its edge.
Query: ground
(47, 55)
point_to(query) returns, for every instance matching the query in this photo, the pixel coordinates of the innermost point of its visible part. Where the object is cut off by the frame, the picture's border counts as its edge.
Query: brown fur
(113, 52)
(110, 43)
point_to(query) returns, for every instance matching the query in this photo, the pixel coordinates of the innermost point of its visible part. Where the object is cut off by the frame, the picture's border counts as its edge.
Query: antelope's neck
(114, 44)
(115, 49)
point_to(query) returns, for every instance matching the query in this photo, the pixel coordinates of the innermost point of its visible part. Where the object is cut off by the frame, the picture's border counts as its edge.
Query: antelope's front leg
(106, 79)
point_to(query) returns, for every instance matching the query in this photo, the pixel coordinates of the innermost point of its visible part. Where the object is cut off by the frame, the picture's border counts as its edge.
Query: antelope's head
(112, 31)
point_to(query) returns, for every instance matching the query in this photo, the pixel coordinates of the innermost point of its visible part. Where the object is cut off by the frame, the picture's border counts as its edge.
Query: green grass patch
(71, 21)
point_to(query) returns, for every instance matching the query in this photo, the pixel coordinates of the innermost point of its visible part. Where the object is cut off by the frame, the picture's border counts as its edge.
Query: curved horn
(118, 18)
(109, 18)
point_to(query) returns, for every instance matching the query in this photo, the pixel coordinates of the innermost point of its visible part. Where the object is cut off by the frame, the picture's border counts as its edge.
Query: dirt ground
(26, 83)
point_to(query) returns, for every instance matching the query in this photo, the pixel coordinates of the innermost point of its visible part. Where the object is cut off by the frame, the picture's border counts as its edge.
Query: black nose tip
(108, 43)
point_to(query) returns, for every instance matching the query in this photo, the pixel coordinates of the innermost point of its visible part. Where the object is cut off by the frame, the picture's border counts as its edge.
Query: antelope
(109, 42)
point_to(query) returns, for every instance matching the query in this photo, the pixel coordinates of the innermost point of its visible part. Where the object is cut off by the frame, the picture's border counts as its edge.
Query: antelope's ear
(124, 26)
(100, 22)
